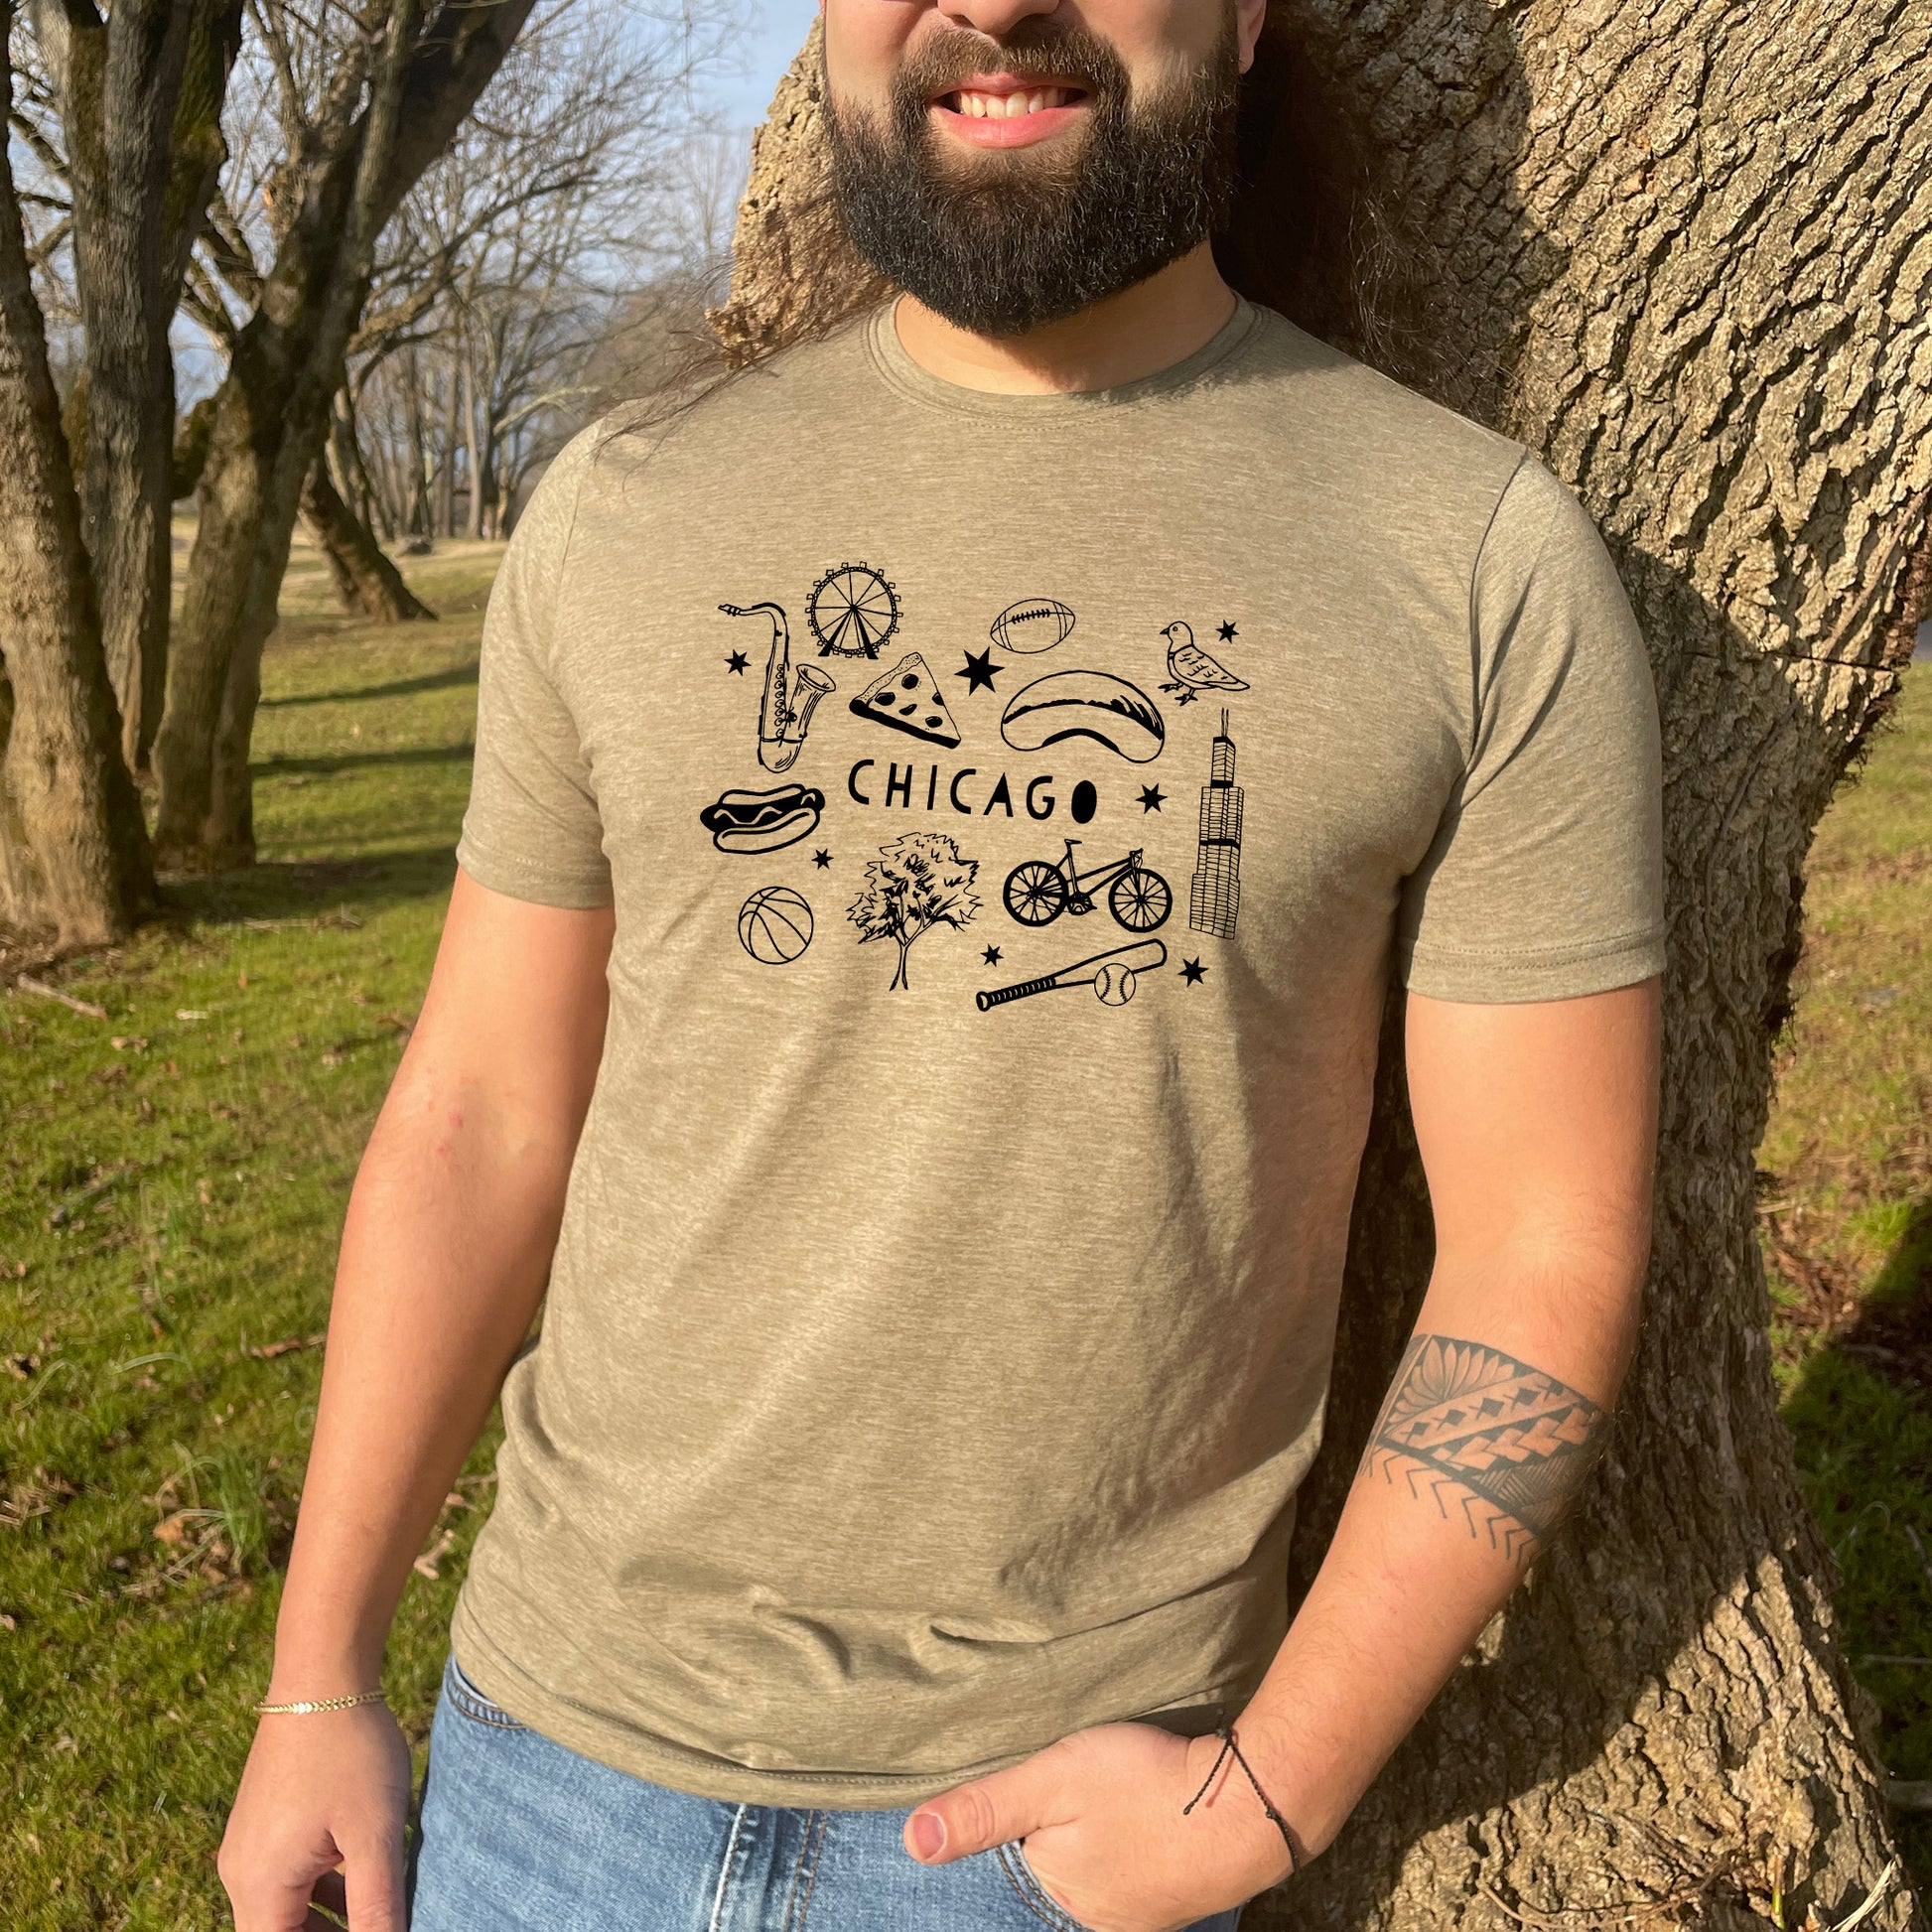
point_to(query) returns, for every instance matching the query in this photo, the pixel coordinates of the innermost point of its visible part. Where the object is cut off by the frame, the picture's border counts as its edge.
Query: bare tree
(511, 265)
(119, 121)
(1680, 251)
(366, 96)
(73, 851)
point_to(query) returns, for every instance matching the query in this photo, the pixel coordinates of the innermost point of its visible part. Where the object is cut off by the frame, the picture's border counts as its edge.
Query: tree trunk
(73, 848)
(446, 456)
(477, 443)
(370, 585)
(273, 413)
(1678, 251)
(141, 100)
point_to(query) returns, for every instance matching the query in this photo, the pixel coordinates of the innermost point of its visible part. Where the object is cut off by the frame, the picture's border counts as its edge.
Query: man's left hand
(1100, 1811)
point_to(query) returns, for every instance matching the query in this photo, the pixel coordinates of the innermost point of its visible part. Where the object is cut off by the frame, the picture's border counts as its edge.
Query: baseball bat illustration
(1141, 957)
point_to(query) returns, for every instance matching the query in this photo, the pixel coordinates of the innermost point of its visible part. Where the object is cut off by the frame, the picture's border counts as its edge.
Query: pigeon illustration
(1191, 669)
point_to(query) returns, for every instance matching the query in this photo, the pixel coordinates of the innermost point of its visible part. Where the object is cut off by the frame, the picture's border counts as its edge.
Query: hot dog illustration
(762, 821)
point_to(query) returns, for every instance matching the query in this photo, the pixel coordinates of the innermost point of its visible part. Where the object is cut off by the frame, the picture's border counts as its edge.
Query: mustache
(1037, 49)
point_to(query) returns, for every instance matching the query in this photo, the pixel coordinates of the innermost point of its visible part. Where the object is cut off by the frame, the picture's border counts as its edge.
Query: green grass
(1846, 1184)
(173, 1180)
(224, 1103)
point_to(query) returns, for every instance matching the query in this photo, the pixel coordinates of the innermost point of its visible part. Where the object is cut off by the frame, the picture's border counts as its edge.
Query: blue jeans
(520, 1835)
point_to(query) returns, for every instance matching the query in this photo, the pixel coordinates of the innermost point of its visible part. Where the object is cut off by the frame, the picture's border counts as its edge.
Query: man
(947, 805)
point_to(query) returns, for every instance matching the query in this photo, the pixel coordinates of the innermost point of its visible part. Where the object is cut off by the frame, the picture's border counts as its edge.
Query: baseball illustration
(1115, 983)
(1037, 623)
(774, 925)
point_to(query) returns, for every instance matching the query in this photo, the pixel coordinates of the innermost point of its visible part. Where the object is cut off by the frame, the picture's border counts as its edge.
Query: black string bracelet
(1226, 1733)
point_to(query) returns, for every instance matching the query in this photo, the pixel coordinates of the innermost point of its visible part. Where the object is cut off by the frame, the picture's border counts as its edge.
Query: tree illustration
(916, 882)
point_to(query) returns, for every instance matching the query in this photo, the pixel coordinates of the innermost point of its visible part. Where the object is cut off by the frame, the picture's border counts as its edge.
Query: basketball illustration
(1115, 983)
(774, 925)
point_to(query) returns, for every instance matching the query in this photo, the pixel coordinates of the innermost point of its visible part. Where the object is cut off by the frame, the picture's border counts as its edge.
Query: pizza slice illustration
(910, 699)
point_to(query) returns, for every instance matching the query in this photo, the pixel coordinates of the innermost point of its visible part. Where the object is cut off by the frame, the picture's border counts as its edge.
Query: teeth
(1001, 107)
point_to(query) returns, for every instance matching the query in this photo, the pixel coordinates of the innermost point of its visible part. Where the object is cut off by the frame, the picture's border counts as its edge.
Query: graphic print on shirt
(1190, 671)
(1113, 975)
(980, 671)
(1039, 890)
(1084, 704)
(791, 691)
(908, 699)
(1033, 624)
(917, 882)
(852, 611)
(762, 821)
(774, 925)
(1214, 894)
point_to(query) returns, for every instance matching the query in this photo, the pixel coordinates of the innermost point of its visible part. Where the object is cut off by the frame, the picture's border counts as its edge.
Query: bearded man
(891, 1516)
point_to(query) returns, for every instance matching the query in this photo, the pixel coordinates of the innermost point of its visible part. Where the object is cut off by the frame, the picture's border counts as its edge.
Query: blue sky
(778, 29)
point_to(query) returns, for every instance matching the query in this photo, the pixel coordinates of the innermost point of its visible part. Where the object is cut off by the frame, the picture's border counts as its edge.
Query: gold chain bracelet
(309, 1705)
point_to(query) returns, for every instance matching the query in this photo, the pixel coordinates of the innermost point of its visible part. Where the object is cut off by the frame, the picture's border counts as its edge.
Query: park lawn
(157, 1365)
(173, 1178)
(1846, 1213)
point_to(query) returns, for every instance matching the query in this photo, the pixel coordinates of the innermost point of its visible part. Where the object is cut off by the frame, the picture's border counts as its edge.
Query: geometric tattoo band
(1511, 1444)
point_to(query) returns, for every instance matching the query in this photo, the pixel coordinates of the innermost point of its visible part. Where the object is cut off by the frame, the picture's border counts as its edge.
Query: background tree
(368, 97)
(1680, 251)
(138, 94)
(121, 120)
(917, 882)
(515, 270)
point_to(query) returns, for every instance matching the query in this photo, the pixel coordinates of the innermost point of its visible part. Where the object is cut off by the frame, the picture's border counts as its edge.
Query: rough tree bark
(1680, 248)
(73, 849)
(141, 93)
(367, 583)
(272, 411)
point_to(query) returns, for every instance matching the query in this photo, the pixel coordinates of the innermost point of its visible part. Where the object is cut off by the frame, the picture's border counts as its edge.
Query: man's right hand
(320, 1820)
(446, 1250)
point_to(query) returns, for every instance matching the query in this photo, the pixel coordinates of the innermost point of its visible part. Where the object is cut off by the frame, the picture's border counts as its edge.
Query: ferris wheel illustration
(852, 611)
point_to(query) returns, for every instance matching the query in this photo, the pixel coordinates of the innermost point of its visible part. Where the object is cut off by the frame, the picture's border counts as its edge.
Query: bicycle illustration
(1039, 890)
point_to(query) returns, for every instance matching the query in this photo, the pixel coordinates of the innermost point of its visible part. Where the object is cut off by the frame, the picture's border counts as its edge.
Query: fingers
(374, 1886)
(273, 1906)
(987, 1811)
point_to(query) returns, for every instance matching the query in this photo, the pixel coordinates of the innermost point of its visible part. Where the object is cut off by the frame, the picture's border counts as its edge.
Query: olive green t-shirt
(1014, 809)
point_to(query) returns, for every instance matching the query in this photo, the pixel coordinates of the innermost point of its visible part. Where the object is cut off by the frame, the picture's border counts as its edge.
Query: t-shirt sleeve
(1545, 879)
(532, 829)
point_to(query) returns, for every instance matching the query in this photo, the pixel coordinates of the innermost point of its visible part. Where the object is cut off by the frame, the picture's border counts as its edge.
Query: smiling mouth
(1007, 103)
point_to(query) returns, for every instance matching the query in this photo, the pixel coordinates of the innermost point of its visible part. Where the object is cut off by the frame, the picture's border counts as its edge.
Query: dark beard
(999, 244)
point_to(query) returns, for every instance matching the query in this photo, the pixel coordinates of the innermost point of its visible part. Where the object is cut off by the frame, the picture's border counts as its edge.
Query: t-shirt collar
(899, 371)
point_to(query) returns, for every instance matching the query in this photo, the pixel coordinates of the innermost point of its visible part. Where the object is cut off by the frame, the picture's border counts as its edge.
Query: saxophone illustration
(791, 691)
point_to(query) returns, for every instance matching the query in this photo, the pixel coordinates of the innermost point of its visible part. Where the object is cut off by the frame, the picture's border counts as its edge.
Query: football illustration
(1038, 623)
(774, 925)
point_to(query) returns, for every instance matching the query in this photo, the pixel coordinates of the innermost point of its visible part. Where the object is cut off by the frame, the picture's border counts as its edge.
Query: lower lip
(1010, 130)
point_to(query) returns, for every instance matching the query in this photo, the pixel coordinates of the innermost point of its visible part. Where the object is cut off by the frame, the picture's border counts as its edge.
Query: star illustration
(1227, 634)
(821, 859)
(1151, 797)
(736, 662)
(980, 671)
(1193, 972)
(990, 955)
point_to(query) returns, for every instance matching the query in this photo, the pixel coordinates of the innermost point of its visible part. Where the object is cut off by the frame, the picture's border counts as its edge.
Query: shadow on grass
(402, 688)
(307, 890)
(1893, 1327)
(360, 761)
(1860, 1421)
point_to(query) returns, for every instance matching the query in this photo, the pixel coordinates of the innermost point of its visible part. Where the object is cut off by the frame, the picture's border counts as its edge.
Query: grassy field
(174, 1178)
(1844, 1177)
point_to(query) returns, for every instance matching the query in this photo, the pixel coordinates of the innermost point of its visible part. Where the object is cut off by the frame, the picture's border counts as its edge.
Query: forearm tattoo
(1510, 1444)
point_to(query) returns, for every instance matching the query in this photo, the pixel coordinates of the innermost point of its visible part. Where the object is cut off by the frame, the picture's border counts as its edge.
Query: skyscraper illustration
(1214, 897)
